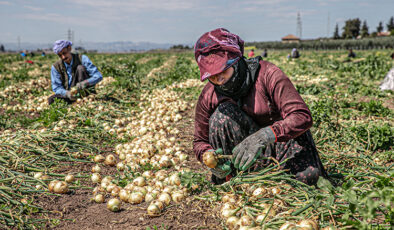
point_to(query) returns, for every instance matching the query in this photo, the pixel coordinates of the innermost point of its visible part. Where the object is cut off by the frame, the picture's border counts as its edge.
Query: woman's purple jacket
(272, 101)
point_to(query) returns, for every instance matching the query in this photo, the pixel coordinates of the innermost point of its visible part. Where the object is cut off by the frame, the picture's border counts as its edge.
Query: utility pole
(299, 25)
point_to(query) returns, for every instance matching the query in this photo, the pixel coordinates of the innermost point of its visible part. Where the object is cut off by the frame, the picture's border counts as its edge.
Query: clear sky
(179, 21)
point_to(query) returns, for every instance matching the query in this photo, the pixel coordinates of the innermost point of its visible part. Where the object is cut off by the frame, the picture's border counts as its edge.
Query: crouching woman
(250, 109)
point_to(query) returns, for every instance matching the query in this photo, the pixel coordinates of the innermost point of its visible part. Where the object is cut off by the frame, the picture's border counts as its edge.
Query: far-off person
(264, 53)
(71, 71)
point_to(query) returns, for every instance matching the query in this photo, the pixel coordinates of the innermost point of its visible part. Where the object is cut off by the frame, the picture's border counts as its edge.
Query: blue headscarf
(60, 44)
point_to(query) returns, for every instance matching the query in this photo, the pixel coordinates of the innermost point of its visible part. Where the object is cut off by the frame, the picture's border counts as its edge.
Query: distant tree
(380, 27)
(390, 25)
(351, 28)
(364, 29)
(336, 32)
(2, 48)
(180, 47)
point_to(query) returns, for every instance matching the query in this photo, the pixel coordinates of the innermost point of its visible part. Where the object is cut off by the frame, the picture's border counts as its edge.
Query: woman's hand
(246, 153)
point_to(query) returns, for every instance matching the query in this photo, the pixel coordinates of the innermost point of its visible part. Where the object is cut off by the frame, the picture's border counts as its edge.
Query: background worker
(264, 53)
(351, 54)
(72, 70)
(251, 53)
(295, 53)
(250, 109)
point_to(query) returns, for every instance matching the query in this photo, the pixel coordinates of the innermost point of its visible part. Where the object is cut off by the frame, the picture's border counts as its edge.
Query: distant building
(383, 34)
(290, 39)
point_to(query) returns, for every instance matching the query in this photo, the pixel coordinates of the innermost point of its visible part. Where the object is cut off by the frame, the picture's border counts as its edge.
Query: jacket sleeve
(201, 127)
(95, 75)
(295, 113)
(57, 86)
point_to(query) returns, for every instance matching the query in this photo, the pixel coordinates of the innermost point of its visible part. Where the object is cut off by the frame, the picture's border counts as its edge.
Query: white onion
(288, 226)
(96, 178)
(150, 197)
(159, 204)
(139, 181)
(60, 187)
(110, 160)
(246, 221)
(38, 175)
(177, 197)
(165, 198)
(175, 179)
(98, 158)
(69, 178)
(115, 191)
(308, 224)
(209, 159)
(96, 169)
(51, 185)
(99, 198)
(120, 166)
(153, 210)
(124, 195)
(232, 222)
(107, 179)
(113, 205)
(136, 198)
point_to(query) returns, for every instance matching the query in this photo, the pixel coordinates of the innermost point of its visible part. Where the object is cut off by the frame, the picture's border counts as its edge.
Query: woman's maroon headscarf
(217, 50)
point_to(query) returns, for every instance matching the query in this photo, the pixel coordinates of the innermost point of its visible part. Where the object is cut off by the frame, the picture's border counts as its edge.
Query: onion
(165, 198)
(209, 159)
(259, 192)
(96, 169)
(96, 178)
(232, 222)
(110, 160)
(51, 185)
(129, 187)
(175, 179)
(120, 166)
(150, 197)
(140, 189)
(107, 179)
(226, 213)
(153, 210)
(139, 181)
(271, 212)
(177, 197)
(148, 174)
(99, 198)
(275, 191)
(308, 224)
(159, 204)
(228, 206)
(60, 187)
(167, 189)
(113, 205)
(38, 175)
(183, 157)
(288, 226)
(69, 178)
(124, 195)
(246, 221)
(228, 198)
(115, 191)
(110, 187)
(136, 198)
(161, 175)
(98, 158)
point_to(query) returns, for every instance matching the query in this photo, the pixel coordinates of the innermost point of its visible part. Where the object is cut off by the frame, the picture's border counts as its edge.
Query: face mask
(233, 84)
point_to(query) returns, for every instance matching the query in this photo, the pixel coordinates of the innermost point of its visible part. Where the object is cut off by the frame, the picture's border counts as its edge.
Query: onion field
(123, 158)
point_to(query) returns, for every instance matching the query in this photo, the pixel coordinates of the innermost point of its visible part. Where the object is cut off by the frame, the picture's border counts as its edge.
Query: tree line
(354, 29)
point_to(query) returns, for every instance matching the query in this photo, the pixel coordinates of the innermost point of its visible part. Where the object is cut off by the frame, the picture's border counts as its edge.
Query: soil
(75, 210)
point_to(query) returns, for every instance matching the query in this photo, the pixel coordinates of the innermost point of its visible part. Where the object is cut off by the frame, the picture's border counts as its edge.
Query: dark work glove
(246, 153)
(82, 85)
(70, 95)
